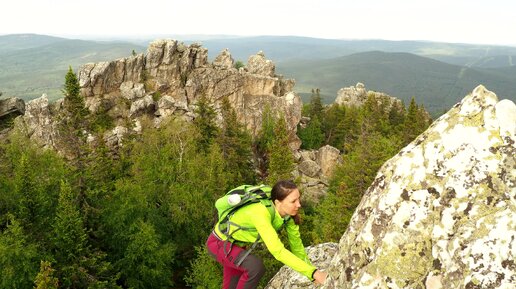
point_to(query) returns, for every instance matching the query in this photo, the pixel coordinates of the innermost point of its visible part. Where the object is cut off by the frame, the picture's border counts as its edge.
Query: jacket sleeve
(275, 246)
(295, 241)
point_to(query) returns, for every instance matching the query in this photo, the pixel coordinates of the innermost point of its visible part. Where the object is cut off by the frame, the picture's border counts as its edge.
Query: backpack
(235, 199)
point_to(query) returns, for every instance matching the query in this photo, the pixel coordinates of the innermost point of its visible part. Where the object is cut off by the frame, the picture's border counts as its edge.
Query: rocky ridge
(170, 78)
(167, 81)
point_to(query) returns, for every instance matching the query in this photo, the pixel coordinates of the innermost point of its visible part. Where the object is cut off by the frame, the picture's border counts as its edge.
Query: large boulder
(442, 212)
(320, 256)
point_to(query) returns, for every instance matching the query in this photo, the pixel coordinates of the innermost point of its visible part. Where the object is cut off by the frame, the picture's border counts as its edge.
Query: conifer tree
(205, 124)
(312, 136)
(45, 278)
(281, 163)
(264, 140)
(410, 126)
(235, 144)
(18, 257)
(75, 111)
(316, 106)
(70, 239)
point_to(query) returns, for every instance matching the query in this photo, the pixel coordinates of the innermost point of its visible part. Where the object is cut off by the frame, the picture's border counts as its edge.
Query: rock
(442, 212)
(142, 106)
(114, 137)
(320, 256)
(328, 157)
(258, 64)
(182, 73)
(38, 122)
(132, 91)
(10, 108)
(224, 60)
(307, 155)
(309, 168)
(357, 96)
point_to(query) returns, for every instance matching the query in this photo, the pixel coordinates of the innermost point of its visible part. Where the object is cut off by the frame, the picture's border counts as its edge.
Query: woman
(286, 199)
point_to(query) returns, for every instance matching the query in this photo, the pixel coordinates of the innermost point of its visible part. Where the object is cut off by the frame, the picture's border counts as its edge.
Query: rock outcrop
(39, 122)
(10, 108)
(170, 78)
(357, 96)
(320, 256)
(442, 212)
(314, 169)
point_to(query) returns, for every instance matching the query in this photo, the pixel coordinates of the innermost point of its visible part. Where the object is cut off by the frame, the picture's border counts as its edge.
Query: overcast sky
(459, 21)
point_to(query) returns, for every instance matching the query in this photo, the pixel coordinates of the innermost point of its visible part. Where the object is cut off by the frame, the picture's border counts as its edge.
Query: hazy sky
(465, 21)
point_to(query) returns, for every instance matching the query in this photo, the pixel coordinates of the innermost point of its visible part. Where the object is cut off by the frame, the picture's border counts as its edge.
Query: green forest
(138, 217)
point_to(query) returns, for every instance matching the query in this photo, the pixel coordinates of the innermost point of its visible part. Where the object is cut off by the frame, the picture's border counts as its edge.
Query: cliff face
(170, 78)
(442, 212)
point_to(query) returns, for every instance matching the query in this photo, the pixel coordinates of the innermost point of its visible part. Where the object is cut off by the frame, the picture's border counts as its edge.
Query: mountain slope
(435, 84)
(27, 73)
(15, 42)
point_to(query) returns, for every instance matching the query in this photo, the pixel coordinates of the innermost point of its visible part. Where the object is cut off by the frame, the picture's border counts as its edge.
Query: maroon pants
(245, 276)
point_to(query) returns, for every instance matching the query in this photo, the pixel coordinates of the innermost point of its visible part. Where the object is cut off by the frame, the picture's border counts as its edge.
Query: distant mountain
(437, 74)
(286, 48)
(436, 84)
(37, 64)
(25, 41)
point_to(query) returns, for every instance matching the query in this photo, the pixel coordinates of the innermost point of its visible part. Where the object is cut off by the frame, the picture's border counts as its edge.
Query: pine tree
(205, 124)
(70, 239)
(235, 144)
(410, 126)
(281, 163)
(145, 262)
(18, 257)
(75, 111)
(316, 106)
(312, 136)
(45, 278)
(264, 140)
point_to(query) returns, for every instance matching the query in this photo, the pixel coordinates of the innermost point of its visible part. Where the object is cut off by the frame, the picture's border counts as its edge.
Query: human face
(290, 205)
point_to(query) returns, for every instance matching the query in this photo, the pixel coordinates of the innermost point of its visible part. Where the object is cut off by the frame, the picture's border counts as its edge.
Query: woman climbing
(255, 222)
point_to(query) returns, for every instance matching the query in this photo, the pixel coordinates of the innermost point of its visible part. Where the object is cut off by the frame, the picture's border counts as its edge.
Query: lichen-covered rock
(320, 256)
(442, 212)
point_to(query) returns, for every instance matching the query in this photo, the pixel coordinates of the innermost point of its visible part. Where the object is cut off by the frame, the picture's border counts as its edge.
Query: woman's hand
(319, 277)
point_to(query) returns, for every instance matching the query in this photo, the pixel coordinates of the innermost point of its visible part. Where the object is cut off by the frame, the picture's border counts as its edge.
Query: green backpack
(236, 199)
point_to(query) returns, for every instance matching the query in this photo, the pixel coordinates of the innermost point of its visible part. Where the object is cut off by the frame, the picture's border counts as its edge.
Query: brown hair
(281, 190)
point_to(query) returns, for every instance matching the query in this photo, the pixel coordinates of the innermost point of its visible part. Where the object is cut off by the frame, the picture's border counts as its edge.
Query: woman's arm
(295, 241)
(262, 223)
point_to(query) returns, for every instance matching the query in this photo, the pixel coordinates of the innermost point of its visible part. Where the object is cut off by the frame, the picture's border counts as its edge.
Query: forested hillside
(435, 84)
(138, 217)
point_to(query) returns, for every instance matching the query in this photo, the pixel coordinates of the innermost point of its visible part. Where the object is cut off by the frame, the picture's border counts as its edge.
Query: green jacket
(257, 216)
